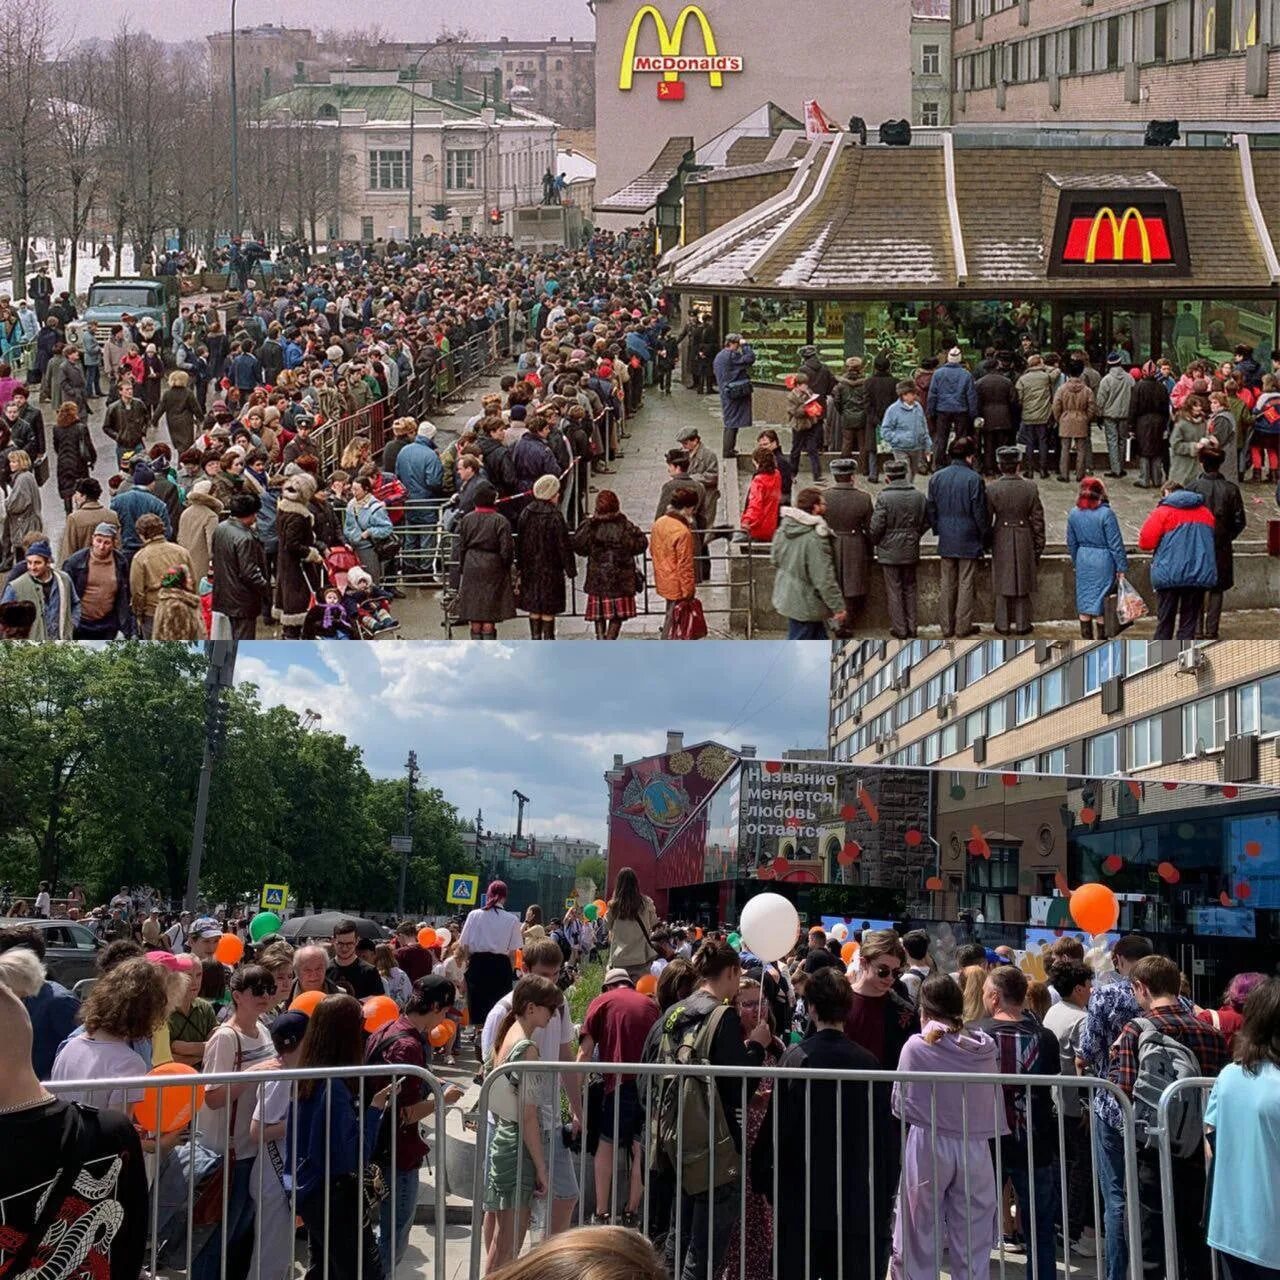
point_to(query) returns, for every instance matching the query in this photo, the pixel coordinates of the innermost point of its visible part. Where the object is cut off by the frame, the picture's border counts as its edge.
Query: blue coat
(904, 428)
(419, 469)
(1184, 555)
(958, 511)
(733, 366)
(1096, 547)
(952, 390)
(129, 504)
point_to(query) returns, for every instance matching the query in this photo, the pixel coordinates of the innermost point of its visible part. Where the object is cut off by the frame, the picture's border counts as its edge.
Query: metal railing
(181, 1164)
(870, 1168)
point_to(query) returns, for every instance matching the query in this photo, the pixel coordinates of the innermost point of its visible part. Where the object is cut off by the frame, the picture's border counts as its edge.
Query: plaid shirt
(1206, 1042)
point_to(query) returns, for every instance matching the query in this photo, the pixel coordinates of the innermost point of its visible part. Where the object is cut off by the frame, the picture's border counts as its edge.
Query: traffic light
(495, 215)
(216, 717)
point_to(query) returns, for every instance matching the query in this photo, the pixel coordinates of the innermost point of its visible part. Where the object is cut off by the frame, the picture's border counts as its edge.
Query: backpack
(1162, 1061)
(688, 1126)
(376, 1056)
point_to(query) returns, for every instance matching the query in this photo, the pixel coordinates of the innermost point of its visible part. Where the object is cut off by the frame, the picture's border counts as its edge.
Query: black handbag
(386, 548)
(40, 467)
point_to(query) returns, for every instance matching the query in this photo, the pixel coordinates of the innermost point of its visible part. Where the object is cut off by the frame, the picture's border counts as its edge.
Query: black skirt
(489, 978)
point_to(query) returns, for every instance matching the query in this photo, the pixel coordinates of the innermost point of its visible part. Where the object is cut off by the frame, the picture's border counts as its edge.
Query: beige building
(1143, 709)
(1213, 65)
(931, 62)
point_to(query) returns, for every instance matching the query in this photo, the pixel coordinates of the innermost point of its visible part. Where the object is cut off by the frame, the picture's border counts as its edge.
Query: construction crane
(518, 849)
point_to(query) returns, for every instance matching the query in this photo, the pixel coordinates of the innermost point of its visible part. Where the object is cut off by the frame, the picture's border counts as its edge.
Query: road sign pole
(411, 767)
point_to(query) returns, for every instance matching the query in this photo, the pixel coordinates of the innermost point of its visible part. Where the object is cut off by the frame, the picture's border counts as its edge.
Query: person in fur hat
(298, 561)
(178, 615)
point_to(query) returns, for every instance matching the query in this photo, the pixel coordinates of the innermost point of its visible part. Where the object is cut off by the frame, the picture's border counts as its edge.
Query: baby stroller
(332, 615)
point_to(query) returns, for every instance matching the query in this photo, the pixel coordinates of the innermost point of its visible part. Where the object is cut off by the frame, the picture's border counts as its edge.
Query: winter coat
(74, 456)
(180, 408)
(1223, 428)
(1180, 533)
(127, 424)
(240, 582)
(610, 544)
(848, 516)
(531, 459)
(1222, 497)
(1114, 396)
(22, 503)
(297, 560)
(851, 401)
(882, 391)
(673, 483)
(898, 521)
(484, 553)
(76, 567)
(671, 546)
(71, 388)
(1075, 409)
(805, 587)
(958, 511)
(155, 558)
(952, 390)
(997, 402)
(1017, 534)
(131, 504)
(704, 467)
(544, 558)
(419, 469)
(764, 498)
(1184, 457)
(1035, 395)
(1097, 552)
(1149, 416)
(195, 530)
(732, 366)
(77, 533)
(178, 615)
(904, 428)
(369, 517)
(822, 381)
(495, 457)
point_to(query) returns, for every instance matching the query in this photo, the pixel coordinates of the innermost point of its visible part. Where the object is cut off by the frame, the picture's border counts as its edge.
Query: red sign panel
(670, 90)
(1103, 237)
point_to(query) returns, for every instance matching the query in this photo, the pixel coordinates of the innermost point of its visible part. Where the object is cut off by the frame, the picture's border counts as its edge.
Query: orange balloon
(466, 1018)
(520, 958)
(1094, 908)
(441, 1034)
(169, 1109)
(230, 950)
(602, 906)
(378, 1011)
(697, 934)
(647, 985)
(848, 951)
(426, 937)
(306, 1002)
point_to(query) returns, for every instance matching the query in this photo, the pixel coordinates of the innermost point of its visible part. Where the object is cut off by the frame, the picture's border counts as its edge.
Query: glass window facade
(776, 328)
(1204, 725)
(1258, 706)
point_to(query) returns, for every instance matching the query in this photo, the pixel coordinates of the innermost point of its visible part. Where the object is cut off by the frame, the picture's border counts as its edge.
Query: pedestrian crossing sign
(463, 890)
(274, 896)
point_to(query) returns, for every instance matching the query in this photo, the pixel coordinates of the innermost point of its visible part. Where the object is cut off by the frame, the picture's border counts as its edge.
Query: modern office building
(1065, 66)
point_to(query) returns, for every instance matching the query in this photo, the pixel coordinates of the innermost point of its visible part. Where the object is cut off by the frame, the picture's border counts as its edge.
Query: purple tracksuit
(948, 1182)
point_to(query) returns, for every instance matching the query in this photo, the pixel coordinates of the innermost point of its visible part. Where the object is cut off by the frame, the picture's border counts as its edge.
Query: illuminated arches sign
(1138, 232)
(671, 60)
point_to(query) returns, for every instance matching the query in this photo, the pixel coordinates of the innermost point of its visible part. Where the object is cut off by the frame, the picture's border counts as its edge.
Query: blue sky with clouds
(544, 718)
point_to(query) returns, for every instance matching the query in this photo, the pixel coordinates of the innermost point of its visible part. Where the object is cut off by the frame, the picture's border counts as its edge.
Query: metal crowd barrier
(1161, 1137)
(172, 1233)
(666, 1214)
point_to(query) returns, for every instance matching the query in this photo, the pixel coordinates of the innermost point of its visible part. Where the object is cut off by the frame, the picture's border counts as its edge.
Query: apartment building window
(930, 59)
(1027, 702)
(1217, 26)
(950, 740)
(1160, 26)
(1101, 663)
(975, 725)
(1102, 755)
(932, 748)
(1026, 765)
(975, 666)
(996, 716)
(1258, 706)
(1204, 725)
(460, 169)
(1113, 42)
(989, 878)
(366, 230)
(1144, 741)
(1140, 655)
(388, 170)
(1054, 761)
(929, 114)
(1053, 689)
(964, 12)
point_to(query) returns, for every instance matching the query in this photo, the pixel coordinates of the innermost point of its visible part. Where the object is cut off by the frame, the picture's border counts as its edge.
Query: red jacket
(764, 498)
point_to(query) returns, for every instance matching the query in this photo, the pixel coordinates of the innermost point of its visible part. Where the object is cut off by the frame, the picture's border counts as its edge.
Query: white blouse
(494, 931)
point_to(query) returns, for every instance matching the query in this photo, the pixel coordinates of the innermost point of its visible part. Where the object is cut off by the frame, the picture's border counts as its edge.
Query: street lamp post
(235, 134)
(413, 102)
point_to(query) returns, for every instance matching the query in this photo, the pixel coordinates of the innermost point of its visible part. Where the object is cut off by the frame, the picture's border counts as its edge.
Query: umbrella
(322, 925)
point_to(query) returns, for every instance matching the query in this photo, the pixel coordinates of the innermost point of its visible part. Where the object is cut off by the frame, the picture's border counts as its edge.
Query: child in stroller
(327, 619)
(367, 604)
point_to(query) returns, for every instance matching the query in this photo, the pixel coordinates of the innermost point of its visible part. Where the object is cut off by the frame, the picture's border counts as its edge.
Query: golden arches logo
(1119, 226)
(669, 43)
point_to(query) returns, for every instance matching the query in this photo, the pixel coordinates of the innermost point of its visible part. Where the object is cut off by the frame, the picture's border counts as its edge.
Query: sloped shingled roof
(881, 226)
(643, 192)
(378, 101)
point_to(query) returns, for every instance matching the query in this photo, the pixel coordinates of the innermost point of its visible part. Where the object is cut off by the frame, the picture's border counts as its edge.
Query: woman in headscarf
(544, 558)
(492, 937)
(1096, 547)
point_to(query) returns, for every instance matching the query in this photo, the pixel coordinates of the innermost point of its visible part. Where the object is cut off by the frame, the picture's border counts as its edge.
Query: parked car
(71, 950)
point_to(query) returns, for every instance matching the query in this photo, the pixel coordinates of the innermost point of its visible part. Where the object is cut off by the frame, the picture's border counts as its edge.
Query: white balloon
(840, 932)
(768, 926)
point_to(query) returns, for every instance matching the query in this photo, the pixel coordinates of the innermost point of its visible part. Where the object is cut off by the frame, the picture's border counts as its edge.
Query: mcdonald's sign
(671, 60)
(1099, 235)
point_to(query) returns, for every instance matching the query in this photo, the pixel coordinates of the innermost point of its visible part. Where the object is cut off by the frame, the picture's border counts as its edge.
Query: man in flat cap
(1017, 542)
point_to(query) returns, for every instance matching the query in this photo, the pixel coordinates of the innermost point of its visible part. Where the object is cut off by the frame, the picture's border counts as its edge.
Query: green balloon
(590, 911)
(263, 923)
(735, 941)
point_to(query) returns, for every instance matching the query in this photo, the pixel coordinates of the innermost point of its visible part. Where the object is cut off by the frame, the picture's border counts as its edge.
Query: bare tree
(76, 136)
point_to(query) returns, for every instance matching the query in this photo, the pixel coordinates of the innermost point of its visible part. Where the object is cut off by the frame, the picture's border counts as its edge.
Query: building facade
(1213, 65)
(536, 869)
(931, 62)
(472, 153)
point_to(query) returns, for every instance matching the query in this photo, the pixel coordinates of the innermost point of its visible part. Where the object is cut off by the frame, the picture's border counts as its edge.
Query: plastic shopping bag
(1130, 606)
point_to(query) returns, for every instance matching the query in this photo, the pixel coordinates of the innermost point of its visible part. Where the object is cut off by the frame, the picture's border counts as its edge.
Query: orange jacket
(671, 549)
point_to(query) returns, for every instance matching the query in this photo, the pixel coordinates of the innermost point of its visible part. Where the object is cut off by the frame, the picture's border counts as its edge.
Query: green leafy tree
(593, 868)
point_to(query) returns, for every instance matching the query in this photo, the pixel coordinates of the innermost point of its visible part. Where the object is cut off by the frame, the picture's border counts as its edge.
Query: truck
(151, 302)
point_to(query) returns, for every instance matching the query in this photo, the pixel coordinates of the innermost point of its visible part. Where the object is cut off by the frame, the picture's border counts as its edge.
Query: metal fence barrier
(1179, 1219)
(183, 1167)
(838, 1128)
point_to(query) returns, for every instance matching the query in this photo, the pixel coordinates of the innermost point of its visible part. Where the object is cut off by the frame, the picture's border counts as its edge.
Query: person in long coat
(1149, 421)
(72, 450)
(179, 406)
(23, 503)
(610, 543)
(299, 565)
(732, 369)
(848, 516)
(1017, 542)
(72, 389)
(196, 525)
(1096, 547)
(485, 552)
(1075, 410)
(1222, 497)
(544, 558)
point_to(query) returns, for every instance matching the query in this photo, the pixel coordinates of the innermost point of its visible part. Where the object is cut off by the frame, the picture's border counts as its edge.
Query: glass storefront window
(776, 328)
(1208, 330)
(866, 329)
(975, 326)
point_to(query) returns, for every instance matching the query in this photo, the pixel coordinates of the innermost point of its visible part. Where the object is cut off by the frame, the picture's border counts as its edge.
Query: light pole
(413, 102)
(219, 675)
(235, 134)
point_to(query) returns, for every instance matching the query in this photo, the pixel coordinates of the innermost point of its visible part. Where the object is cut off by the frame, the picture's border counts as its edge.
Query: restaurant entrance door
(1100, 327)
